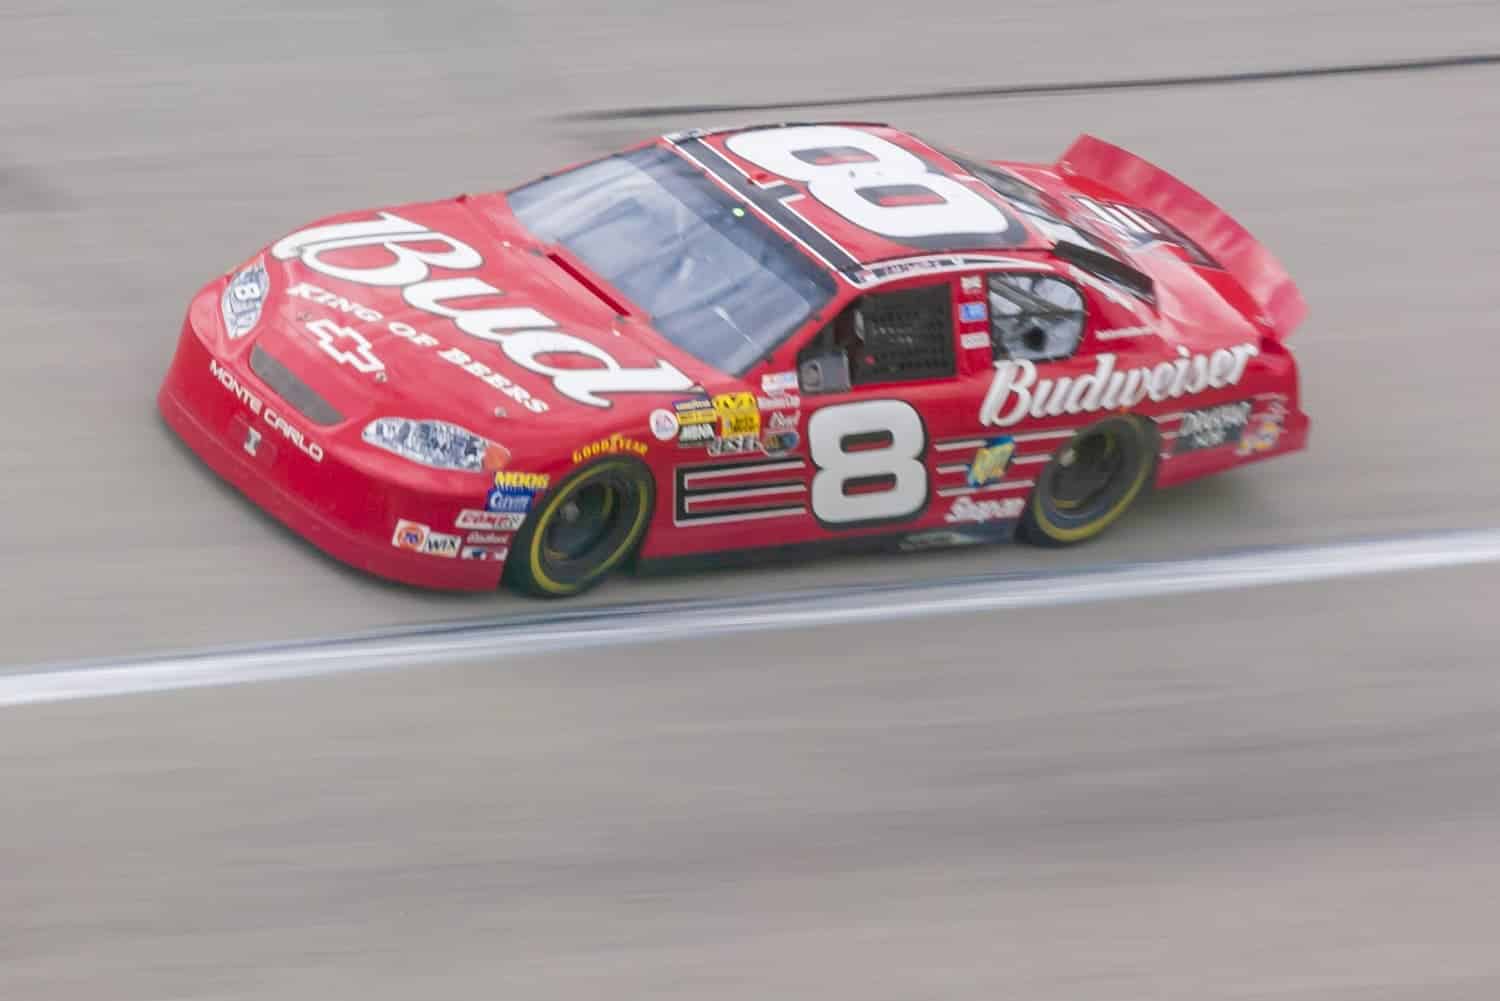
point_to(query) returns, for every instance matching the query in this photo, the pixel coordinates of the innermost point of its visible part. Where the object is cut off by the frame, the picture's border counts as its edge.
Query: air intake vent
(1107, 267)
(292, 389)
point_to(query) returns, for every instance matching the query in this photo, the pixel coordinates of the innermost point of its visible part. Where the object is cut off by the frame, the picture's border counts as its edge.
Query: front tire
(1091, 482)
(583, 529)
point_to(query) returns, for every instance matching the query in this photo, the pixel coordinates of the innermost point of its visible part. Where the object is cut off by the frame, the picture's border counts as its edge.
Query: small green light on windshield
(739, 213)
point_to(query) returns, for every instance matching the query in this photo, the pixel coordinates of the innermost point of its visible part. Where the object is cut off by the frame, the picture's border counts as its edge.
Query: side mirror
(824, 373)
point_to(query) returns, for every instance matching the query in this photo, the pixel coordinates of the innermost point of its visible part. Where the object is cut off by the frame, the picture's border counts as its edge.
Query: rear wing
(1149, 187)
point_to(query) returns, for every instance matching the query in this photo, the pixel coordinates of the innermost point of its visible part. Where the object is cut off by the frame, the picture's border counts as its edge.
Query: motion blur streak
(688, 619)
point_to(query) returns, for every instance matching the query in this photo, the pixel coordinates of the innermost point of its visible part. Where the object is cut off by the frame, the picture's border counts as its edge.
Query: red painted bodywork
(349, 502)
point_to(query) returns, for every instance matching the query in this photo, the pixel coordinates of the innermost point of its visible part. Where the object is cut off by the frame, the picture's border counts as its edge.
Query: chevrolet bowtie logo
(252, 440)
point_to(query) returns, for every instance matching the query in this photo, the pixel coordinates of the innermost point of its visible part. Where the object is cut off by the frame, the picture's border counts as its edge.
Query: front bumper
(306, 479)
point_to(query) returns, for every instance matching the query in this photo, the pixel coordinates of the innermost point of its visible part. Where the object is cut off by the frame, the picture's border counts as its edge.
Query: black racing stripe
(702, 492)
(1042, 89)
(768, 201)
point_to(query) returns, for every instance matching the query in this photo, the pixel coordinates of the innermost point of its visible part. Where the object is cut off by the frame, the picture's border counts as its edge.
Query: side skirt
(802, 552)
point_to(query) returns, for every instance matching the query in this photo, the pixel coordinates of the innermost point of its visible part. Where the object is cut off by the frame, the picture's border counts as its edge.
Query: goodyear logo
(699, 411)
(612, 445)
(522, 481)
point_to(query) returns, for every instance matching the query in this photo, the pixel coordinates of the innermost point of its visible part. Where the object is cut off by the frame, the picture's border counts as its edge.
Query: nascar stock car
(721, 341)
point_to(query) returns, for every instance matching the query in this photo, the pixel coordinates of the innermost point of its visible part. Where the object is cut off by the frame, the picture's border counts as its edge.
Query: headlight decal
(435, 443)
(243, 298)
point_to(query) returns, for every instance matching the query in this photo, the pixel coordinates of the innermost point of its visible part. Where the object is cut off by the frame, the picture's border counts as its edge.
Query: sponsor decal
(1140, 227)
(966, 510)
(523, 481)
(504, 501)
(777, 383)
(782, 421)
(243, 297)
(693, 435)
(438, 544)
(735, 444)
(487, 375)
(919, 265)
(738, 414)
(664, 425)
(323, 297)
(491, 520)
(481, 553)
(410, 334)
(1017, 391)
(699, 410)
(344, 345)
(1212, 427)
(778, 402)
(613, 445)
(1264, 430)
(971, 283)
(780, 442)
(973, 312)
(526, 336)
(419, 538)
(1120, 333)
(268, 415)
(409, 535)
(513, 492)
(486, 538)
(991, 461)
(971, 342)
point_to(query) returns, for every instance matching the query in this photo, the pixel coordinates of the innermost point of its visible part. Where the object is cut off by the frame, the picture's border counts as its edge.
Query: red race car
(775, 338)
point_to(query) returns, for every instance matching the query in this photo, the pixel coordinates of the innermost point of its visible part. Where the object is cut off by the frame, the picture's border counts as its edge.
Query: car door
(877, 388)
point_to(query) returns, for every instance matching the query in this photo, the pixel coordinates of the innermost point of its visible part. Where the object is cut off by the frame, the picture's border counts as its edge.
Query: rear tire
(1091, 482)
(582, 530)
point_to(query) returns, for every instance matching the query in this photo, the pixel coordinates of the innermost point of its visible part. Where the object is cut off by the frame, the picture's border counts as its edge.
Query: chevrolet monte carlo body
(718, 342)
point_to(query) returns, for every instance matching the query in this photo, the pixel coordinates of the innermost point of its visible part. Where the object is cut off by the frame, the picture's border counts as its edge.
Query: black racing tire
(1091, 482)
(582, 530)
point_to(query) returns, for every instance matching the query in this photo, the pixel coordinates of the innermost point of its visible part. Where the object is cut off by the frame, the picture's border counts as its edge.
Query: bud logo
(345, 345)
(527, 336)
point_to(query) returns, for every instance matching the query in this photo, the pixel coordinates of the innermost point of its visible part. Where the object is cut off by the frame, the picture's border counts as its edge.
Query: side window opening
(1034, 317)
(898, 336)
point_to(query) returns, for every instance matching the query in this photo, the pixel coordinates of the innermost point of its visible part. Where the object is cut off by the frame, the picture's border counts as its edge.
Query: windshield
(715, 280)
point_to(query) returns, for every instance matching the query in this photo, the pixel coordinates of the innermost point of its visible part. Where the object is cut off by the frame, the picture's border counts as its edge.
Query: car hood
(451, 311)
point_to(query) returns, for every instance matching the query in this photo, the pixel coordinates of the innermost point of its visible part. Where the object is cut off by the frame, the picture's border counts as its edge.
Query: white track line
(621, 625)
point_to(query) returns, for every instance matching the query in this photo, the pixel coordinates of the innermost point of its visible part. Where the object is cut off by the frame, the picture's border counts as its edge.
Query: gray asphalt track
(1266, 794)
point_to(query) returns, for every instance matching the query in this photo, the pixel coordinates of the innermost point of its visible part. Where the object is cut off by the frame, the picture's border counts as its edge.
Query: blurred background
(1272, 793)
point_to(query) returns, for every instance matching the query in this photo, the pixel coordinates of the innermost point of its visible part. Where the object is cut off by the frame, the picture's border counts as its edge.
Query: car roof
(787, 149)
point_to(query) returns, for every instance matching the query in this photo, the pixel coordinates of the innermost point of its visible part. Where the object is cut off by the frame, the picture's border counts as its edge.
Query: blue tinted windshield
(716, 281)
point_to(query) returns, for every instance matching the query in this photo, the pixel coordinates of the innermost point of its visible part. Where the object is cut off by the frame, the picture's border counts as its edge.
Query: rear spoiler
(1142, 184)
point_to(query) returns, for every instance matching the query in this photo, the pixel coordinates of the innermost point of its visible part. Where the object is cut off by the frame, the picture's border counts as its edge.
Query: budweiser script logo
(1017, 392)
